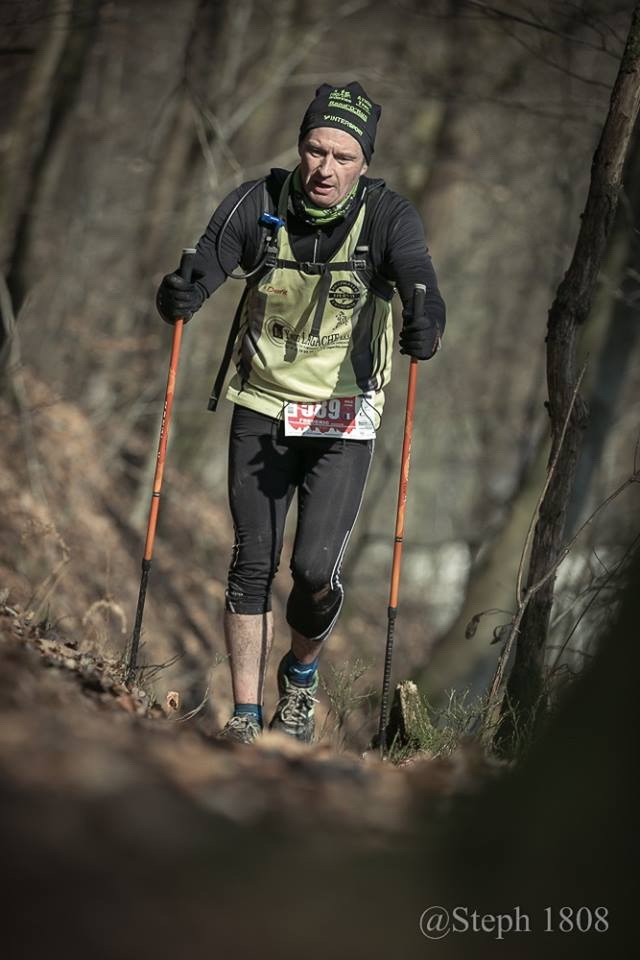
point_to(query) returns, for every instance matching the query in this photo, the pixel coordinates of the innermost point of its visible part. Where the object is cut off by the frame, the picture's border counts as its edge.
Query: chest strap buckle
(307, 266)
(271, 255)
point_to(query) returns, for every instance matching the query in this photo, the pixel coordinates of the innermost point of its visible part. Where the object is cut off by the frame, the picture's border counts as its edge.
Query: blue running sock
(302, 674)
(248, 709)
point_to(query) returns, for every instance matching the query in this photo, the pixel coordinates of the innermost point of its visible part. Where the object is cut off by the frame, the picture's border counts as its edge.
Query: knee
(313, 608)
(311, 578)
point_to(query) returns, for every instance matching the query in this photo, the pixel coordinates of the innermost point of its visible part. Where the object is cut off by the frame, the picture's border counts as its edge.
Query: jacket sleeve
(239, 241)
(406, 259)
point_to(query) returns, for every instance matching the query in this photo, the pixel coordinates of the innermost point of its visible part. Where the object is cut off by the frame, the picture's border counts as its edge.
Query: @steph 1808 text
(437, 922)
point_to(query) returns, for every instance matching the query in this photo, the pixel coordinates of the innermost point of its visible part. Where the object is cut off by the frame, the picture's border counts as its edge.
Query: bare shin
(248, 638)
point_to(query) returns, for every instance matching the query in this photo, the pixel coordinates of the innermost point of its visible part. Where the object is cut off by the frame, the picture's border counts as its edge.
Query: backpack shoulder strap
(274, 182)
(372, 199)
(380, 286)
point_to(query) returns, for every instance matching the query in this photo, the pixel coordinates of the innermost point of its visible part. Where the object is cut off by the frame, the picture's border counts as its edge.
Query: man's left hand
(419, 337)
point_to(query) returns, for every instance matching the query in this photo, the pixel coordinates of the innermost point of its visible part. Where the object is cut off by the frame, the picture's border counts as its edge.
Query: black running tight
(265, 470)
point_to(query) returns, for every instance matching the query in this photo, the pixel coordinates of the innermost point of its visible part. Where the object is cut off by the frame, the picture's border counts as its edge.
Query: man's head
(336, 141)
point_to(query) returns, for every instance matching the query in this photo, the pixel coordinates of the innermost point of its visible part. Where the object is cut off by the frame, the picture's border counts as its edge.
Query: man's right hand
(178, 298)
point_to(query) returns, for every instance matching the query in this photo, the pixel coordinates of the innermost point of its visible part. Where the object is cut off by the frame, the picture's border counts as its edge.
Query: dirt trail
(113, 812)
(125, 834)
(70, 723)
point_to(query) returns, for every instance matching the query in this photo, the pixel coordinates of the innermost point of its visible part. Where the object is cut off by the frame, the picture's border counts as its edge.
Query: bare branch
(592, 599)
(536, 52)
(634, 478)
(538, 24)
(517, 620)
(282, 72)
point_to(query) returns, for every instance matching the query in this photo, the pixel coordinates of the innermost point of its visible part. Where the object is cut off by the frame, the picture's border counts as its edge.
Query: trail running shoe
(295, 710)
(243, 729)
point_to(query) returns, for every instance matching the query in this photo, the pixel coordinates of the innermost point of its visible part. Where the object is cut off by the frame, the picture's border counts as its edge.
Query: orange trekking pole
(186, 266)
(419, 294)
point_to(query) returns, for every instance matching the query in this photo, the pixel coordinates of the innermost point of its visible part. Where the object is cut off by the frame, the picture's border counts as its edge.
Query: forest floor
(71, 724)
(113, 811)
(128, 834)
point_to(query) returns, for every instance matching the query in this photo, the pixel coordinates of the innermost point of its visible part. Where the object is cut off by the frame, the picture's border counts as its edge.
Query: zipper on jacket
(315, 246)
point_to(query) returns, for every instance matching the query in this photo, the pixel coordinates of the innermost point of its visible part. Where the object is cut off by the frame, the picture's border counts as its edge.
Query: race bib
(348, 418)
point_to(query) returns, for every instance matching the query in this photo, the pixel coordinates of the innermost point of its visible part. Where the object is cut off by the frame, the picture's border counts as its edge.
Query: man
(322, 249)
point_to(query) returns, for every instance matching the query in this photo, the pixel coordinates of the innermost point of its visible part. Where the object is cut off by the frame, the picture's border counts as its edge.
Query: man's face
(330, 163)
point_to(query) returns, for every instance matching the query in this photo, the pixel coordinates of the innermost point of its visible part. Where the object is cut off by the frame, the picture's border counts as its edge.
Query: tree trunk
(620, 332)
(47, 102)
(30, 125)
(525, 688)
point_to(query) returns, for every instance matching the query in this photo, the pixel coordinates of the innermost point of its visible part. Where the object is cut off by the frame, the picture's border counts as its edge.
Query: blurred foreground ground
(128, 834)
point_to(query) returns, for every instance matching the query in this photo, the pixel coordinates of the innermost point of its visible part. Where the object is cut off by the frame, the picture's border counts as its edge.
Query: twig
(552, 63)
(634, 478)
(583, 653)
(474, 622)
(592, 599)
(538, 24)
(203, 113)
(196, 710)
(281, 73)
(150, 670)
(596, 586)
(44, 590)
(506, 650)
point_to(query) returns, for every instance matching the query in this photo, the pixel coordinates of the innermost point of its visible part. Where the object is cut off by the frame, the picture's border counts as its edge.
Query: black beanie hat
(345, 108)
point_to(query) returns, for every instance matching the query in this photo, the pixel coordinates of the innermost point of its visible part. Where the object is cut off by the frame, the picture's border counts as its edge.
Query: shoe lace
(296, 705)
(242, 723)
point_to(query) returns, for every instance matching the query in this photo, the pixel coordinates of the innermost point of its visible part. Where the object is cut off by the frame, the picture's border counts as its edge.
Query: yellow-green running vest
(312, 331)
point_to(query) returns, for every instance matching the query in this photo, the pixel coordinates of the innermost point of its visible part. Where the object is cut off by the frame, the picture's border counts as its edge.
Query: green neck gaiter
(318, 215)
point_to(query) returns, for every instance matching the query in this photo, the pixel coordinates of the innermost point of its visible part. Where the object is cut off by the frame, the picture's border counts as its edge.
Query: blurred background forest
(122, 126)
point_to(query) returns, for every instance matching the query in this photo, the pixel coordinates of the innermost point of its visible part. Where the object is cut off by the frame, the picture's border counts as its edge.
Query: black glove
(178, 298)
(419, 337)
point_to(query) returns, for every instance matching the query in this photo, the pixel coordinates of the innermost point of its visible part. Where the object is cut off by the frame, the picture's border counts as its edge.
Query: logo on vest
(295, 342)
(343, 295)
(277, 330)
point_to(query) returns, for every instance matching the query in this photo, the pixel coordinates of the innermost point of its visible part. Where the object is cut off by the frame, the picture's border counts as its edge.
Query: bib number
(346, 418)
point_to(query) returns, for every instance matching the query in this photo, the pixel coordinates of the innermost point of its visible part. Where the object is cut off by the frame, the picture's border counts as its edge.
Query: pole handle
(186, 263)
(186, 271)
(419, 298)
